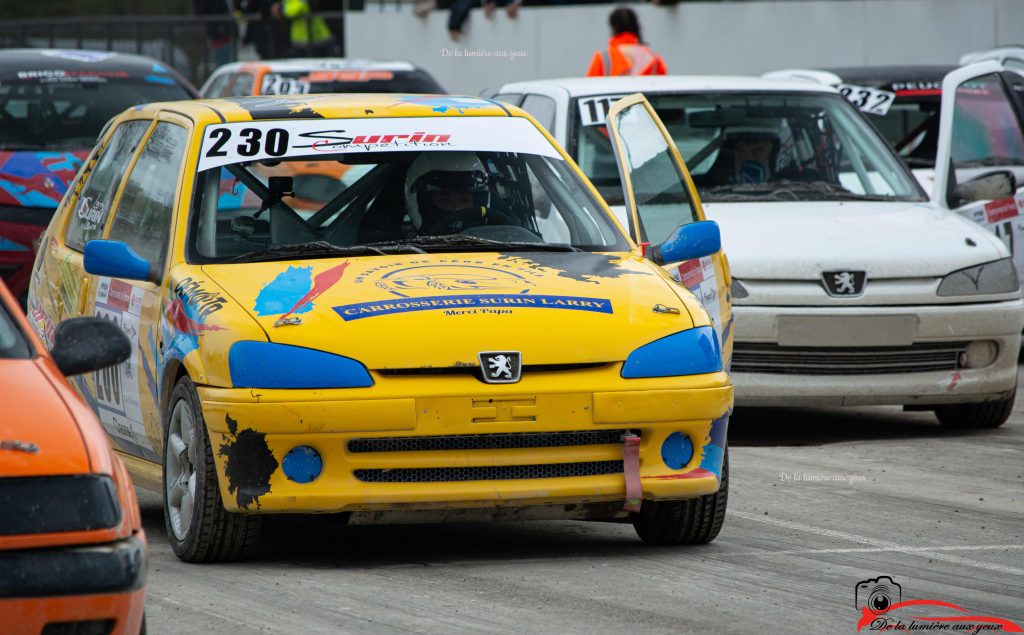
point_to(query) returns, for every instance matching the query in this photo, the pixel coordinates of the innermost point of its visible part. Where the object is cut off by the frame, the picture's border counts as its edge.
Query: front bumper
(83, 583)
(998, 322)
(486, 445)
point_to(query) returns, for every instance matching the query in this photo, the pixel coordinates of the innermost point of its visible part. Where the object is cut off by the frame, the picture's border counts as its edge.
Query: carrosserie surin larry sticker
(224, 144)
(455, 287)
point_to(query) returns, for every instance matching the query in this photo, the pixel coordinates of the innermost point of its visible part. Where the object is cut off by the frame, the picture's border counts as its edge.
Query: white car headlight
(992, 277)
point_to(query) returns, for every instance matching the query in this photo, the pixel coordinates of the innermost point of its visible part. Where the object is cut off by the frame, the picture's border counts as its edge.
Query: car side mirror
(82, 345)
(116, 259)
(694, 240)
(985, 187)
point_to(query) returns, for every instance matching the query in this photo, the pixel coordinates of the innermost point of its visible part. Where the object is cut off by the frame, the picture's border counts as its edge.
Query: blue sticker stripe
(361, 310)
(714, 448)
(284, 291)
(6, 244)
(159, 79)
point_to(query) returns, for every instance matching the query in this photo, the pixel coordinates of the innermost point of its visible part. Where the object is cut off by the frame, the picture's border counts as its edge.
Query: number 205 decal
(248, 142)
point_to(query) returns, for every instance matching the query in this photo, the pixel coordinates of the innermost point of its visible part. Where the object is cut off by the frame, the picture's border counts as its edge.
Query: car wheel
(198, 526)
(976, 416)
(688, 522)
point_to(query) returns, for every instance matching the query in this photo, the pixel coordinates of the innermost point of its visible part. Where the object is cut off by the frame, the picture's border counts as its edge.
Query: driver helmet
(751, 168)
(439, 183)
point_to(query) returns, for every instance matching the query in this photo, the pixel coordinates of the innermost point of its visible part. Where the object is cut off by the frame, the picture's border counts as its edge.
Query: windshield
(349, 81)
(13, 344)
(912, 127)
(363, 200)
(62, 110)
(762, 146)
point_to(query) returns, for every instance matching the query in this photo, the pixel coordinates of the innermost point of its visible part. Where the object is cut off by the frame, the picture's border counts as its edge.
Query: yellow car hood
(441, 310)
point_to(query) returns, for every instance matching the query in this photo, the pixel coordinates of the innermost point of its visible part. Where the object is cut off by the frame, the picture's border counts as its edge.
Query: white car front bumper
(920, 348)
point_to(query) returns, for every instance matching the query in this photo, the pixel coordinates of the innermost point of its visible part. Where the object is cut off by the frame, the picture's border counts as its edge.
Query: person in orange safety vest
(626, 53)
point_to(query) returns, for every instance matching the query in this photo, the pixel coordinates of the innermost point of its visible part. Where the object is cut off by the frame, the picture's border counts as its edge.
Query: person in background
(268, 34)
(460, 11)
(310, 36)
(220, 34)
(626, 53)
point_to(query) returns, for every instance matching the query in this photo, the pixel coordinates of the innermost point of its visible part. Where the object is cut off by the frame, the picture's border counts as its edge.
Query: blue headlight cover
(690, 352)
(269, 365)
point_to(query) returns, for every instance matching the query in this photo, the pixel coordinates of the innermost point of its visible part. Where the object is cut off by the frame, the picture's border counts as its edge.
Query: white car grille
(752, 357)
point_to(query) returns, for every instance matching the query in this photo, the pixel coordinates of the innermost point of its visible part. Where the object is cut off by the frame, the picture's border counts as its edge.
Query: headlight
(86, 502)
(691, 352)
(268, 365)
(992, 277)
(738, 291)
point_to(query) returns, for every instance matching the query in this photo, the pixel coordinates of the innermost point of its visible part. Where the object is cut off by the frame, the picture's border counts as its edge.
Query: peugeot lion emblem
(501, 367)
(844, 284)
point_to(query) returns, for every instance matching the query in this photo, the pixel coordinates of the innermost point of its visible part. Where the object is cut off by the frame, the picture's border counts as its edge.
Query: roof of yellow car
(333, 106)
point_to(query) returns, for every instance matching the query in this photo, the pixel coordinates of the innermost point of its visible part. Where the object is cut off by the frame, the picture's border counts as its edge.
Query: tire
(688, 522)
(198, 527)
(976, 416)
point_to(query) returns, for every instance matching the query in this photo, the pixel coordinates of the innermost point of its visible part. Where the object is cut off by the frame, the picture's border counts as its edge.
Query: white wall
(693, 37)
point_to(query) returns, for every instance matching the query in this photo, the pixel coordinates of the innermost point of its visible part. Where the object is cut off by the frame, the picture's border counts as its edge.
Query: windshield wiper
(789, 191)
(315, 249)
(746, 192)
(837, 192)
(455, 241)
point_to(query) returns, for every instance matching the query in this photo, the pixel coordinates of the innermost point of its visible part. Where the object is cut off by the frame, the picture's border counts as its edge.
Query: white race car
(986, 145)
(850, 286)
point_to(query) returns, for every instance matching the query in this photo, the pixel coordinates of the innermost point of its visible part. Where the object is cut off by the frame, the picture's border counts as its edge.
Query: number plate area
(846, 330)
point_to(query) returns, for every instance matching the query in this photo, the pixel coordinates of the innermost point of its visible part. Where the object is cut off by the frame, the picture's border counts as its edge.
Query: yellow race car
(457, 328)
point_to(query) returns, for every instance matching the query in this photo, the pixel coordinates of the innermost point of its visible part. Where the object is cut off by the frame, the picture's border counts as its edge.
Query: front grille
(510, 440)
(749, 357)
(79, 627)
(474, 370)
(488, 473)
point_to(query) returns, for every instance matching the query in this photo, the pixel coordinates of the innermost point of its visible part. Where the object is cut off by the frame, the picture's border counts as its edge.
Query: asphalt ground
(820, 500)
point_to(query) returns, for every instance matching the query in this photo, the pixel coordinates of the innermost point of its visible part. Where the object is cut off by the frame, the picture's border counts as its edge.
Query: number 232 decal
(869, 100)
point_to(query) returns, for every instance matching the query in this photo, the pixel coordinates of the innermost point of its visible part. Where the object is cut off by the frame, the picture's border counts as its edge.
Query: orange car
(72, 548)
(318, 75)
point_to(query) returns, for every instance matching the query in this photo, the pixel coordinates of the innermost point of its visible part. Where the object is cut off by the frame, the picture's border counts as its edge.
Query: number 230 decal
(248, 142)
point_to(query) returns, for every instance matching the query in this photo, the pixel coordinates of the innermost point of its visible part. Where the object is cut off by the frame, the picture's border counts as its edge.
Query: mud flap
(631, 472)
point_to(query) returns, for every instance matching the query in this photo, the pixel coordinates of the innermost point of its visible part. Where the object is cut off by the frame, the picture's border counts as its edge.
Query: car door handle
(83, 294)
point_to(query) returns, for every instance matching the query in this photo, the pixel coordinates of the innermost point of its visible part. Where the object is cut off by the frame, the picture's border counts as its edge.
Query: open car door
(660, 198)
(979, 165)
